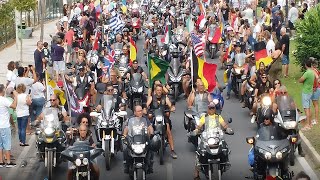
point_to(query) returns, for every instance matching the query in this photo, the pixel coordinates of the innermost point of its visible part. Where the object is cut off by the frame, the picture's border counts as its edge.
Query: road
(183, 167)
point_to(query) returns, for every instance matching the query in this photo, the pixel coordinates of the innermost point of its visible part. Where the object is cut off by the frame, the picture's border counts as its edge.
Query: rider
(135, 69)
(138, 115)
(161, 101)
(200, 98)
(85, 135)
(213, 120)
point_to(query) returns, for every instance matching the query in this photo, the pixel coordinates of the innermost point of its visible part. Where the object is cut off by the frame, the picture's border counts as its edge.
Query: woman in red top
(316, 91)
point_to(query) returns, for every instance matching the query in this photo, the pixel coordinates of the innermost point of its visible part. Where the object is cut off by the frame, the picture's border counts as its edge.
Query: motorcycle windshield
(175, 66)
(137, 127)
(123, 62)
(212, 130)
(211, 30)
(136, 80)
(50, 119)
(269, 133)
(134, 20)
(239, 59)
(160, 43)
(117, 47)
(287, 108)
(108, 105)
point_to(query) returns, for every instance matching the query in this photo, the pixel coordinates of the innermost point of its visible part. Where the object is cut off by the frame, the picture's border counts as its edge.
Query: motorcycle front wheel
(214, 172)
(291, 155)
(107, 155)
(50, 164)
(139, 174)
(161, 151)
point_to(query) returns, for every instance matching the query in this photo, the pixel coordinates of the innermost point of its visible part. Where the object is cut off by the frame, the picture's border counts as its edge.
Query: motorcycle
(266, 103)
(136, 24)
(81, 155)
(50, 140)
(136, 90)
(213, 151)
(83, 93)
(238, 76)
(212, 47)
(271, 155)
(191, 121)
(108, 129)
(288, 118)
(217, 99)
(123, 65)
(160, 129)
(117, 51)
(249, 95)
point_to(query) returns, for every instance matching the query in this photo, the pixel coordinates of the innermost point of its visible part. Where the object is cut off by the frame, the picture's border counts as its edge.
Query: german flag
(261, 55)
(204, 71)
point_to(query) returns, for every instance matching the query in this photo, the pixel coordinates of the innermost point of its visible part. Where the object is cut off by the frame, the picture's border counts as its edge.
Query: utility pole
(42, 11)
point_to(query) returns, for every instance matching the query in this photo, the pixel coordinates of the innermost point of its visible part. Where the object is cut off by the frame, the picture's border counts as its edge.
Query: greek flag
(116, 24)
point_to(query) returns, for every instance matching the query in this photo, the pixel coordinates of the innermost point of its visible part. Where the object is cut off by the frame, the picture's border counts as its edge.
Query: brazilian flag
(157, 69)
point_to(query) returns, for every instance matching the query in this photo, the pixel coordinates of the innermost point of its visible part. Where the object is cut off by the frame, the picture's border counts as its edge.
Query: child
(47, 56)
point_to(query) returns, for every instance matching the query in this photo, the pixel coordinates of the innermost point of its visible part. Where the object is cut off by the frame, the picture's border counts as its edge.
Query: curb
(309, 149)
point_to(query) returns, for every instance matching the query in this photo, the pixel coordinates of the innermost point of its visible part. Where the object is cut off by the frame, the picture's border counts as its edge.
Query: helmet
(125, 30)
(267, 114)
(155, 142)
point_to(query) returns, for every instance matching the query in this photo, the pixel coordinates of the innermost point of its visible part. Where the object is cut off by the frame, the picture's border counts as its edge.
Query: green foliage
(308, 36)
(7, 13)
(25, 5)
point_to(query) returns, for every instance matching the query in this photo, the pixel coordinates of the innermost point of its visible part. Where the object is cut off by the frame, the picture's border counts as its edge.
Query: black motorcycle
(271, 155)
(191, 119)
(249, 95)
(160, 128)
(81, 155)
(237, 76)
(50, 140)
(136, 90)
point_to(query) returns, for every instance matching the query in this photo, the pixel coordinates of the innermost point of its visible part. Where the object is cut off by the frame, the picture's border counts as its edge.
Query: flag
(167, 35)
(97, 6)
(54, 89)
(133, 51)
(197, 44)
(228, 51)
(201, 21)
(116, 24)
(75, 107)
(157, 69)
(95, 46)
(217, 37)
(261, 55)
(190, 24)
(204, 71)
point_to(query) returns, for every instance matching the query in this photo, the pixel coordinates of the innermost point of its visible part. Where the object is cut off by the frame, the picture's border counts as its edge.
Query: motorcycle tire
(176, 93)
(50, 165)
(185, 122)
(212, 54)
(291, 156)
(139, 174)
(161, 151)
(107, 155)
(214, 172)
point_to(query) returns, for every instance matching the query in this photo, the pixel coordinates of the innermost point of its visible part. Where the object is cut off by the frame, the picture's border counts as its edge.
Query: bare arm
(125, 131)
(149, 101)
(14, 103)
(28, 100)
(190, 99)
(150, 130)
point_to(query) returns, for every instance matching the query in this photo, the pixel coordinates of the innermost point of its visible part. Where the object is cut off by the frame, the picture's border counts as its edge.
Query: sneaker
(10, 165)
(174, 155)
(228, 97)
(2, 165)
(253, 119)
(243, 104)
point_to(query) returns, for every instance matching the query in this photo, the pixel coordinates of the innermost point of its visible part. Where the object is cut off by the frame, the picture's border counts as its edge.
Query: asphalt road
(183, 167)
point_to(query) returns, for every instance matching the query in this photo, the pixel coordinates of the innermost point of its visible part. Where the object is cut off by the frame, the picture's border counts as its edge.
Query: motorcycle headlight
(279, 155)
(212, 141)
(49, 131)
(267, 155)
(164, 53)
(134, 24)
(210, 38)
(159, 118)
(138, 148)
(78, 162)
(266, 101)
(85, 161)
(140, 89)
(104, 123)
(290, 124)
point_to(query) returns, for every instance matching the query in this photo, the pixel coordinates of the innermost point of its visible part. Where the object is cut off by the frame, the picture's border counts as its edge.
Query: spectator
(316, 90)
(304, 10)
(307, 90)
(23, 103)
(5, 131)
(38, 99)
(21, 79)
(57, 58)
(47, 56)
(275, 69)
(69, 39)
(39, 58)
(12, 112)
(267, 19)
(292, 17)
(302, 176)
(285, 43)
(257, 29)
(270, 43)
(11, 76)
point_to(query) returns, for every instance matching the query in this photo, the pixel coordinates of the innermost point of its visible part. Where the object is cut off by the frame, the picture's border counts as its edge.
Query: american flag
(198, 45)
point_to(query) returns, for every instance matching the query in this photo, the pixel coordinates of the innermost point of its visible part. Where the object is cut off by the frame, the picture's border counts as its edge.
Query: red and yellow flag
(133, 51)
(225, 57)
(261, 55)
(204, 71)
(217, 37)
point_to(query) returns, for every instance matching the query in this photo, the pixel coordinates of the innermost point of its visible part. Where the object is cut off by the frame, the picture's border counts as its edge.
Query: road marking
(169, 171)
(306, 167)
(13, 171)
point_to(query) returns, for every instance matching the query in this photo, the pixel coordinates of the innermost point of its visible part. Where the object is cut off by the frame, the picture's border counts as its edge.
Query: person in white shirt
(257, 28)
(293, 15)
(270, 43)
(11, 76)
(5, 131)
(22, 110)
(38, 99)
(21, 79)
(248, 14)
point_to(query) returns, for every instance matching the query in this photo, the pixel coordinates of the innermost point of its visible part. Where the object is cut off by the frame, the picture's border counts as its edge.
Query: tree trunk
(21, 37)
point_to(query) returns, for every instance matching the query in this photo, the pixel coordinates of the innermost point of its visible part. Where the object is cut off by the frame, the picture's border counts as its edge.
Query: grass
(294, 89)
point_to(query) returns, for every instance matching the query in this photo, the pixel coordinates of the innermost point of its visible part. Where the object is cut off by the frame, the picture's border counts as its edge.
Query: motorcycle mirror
(94, 114)
(250, 140)
(229, 131)
(230, 120)
(122, 113)
(301, 118)
(99, 145)
(37, 131)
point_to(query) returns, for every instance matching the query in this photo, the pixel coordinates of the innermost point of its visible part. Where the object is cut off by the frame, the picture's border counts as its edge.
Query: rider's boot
(300, 151)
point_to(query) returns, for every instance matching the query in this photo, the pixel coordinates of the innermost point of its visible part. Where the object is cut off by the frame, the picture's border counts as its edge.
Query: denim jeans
(36, 108)
(22, 126)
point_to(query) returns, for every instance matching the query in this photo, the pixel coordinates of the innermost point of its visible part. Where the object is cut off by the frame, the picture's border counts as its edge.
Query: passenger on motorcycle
(262, 87)
(125, 35)
(252, 70)
(214, 121)
(135, 68)
(148, 35)
(110, 90)
(165, 89)
(84, 135)
(138, 114)
(199, 98)
(160, 100)
(115, 80)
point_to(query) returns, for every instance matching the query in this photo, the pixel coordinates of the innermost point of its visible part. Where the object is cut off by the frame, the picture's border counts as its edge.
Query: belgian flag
(261, 55)
(204, 71)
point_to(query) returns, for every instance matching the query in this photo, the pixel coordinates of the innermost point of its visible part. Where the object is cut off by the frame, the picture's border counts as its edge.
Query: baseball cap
(211, 105)
(135, 62)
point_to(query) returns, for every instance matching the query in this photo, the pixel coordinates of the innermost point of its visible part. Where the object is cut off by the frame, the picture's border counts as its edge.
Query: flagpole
(67, 94)
(149, 76)
(47, 86)
(191, 64)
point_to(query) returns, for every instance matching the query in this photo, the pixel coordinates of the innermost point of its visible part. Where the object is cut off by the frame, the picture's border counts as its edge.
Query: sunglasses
(110, 90)
(85, 122)
(53, 100)
(124, 49)
(264, 77)
(276, 83)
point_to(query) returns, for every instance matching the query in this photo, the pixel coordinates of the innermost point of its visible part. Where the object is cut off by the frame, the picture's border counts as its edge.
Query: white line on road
(13, 171)
(169, 171)
(306, 167)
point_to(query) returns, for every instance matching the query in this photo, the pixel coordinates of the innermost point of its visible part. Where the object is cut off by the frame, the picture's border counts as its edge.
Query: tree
(308, 36)
(23, 6)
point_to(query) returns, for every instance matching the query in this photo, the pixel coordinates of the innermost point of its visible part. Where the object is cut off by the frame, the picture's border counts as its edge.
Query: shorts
(59, 66)
(306, 100)
(316, 94)
(69, 49)
(285, 60)
(5, 139)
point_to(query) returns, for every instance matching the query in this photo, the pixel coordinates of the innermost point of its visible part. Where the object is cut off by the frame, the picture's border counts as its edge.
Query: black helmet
(155, 142)
(267, 114)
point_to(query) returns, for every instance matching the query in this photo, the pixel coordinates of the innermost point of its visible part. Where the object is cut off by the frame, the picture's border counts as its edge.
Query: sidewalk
(28, 47)
(12, 54)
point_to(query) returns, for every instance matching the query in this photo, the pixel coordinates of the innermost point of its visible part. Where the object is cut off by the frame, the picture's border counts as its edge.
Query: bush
(308, 36)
